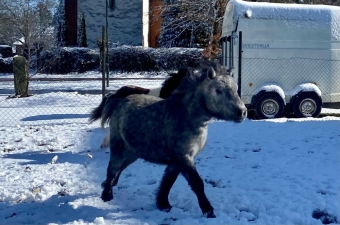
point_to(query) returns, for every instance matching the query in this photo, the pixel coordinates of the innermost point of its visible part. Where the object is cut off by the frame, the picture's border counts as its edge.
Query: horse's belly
(142, 130)
(151, 154)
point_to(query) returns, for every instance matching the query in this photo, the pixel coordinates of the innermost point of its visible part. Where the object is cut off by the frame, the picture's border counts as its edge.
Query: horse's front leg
(170, 175)
(190, 173)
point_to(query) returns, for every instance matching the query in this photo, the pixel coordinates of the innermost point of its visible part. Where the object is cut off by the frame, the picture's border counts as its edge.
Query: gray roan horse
(170, 132)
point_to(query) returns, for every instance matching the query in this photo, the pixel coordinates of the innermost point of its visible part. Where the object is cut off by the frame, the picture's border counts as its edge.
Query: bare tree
(28, 22)
(201, 19)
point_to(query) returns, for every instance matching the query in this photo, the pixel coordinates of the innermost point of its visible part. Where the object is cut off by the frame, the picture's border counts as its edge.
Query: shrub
(66, 60)
(134, 59)
(122, 58)
(6, 65)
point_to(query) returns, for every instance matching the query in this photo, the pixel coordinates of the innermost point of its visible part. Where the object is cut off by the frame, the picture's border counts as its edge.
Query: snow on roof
(266, 10)
(19, 42)
(317, 16)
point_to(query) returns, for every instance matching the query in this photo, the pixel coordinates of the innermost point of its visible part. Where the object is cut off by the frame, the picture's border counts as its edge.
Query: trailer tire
(269, 105)
(307, 104)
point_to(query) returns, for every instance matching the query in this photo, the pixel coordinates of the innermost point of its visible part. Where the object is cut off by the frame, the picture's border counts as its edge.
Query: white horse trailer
(286, 57)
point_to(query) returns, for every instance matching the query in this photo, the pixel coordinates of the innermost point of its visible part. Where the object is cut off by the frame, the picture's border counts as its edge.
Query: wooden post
(20, 76)
(239, 81)
(103, 59)
(155, 21)
(107, 46)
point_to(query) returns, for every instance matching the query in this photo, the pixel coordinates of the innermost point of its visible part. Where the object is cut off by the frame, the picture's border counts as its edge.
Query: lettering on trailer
(255, 45)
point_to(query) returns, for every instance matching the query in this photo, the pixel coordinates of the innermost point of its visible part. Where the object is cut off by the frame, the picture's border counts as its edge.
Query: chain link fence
(67, 84)
(71, 85)
(60, 99)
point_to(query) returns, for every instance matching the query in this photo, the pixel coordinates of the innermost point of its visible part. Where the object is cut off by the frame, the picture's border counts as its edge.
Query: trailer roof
(316, 14)
(285, 11)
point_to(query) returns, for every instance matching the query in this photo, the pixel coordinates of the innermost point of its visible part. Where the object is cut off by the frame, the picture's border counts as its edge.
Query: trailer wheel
(307, 104)
(269, 105)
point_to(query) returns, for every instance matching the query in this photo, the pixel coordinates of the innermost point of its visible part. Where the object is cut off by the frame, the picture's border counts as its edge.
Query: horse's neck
(155, 92)
(193, 109)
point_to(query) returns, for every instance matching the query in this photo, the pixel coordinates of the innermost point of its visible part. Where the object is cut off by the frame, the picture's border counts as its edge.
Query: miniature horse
(170, 131)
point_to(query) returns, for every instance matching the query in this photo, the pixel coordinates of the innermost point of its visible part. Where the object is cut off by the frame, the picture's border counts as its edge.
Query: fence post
(103, 59)
(107, 44)
(239, 81)
(20, 76)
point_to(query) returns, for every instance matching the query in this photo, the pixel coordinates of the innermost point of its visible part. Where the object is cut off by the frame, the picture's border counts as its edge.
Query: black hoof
(210, 214)
(164, 207)
(107, 196)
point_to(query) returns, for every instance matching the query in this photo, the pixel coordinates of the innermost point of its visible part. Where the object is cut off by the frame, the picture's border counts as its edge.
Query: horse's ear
(211, 73)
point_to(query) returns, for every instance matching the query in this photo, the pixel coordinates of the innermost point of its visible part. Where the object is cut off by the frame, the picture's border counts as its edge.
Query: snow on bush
(65, 60)
(122, 58)
(6, 65)
(134, 59)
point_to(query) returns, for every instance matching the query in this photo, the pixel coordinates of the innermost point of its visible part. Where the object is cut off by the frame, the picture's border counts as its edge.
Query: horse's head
(221, 98)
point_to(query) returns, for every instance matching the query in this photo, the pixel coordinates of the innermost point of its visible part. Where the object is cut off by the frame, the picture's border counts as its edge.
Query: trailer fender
(306, 87)
(269, 88)
(306, 100)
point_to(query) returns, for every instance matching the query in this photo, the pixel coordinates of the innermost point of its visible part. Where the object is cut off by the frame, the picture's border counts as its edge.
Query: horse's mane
(194, 76)
(172, 82)
(187, 77)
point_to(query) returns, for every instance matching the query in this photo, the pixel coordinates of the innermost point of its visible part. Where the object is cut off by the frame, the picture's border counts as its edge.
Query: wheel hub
(270, 108)
(308, 107)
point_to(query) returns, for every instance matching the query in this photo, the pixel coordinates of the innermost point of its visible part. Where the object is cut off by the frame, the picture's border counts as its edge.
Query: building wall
(125, 25)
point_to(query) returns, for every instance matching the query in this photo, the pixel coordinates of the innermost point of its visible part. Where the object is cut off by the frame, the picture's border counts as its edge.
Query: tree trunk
(20, 76)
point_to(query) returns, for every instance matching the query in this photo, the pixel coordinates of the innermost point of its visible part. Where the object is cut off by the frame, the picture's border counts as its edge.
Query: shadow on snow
(55, 117)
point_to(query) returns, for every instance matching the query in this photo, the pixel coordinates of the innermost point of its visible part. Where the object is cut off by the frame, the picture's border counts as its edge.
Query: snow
(276, 171)
(276, 88)
(284, 11)
(306, 87)
(7, 60)
(146, 80)
(271, 88)
(322, 17)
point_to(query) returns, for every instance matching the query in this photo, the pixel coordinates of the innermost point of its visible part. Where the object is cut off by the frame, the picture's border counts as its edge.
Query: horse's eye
(218, 91)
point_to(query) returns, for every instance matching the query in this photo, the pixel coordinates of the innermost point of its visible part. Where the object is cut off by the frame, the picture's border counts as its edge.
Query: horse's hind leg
(118, 162)
(170, 175)
(196, 183)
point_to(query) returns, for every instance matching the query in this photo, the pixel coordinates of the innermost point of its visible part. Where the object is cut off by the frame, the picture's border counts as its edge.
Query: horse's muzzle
(241, 114)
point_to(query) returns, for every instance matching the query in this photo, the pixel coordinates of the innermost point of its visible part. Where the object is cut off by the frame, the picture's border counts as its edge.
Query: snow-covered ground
(282, 171)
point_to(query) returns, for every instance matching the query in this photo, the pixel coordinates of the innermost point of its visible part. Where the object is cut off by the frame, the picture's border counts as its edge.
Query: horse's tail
(97, 112)
(110, 105)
